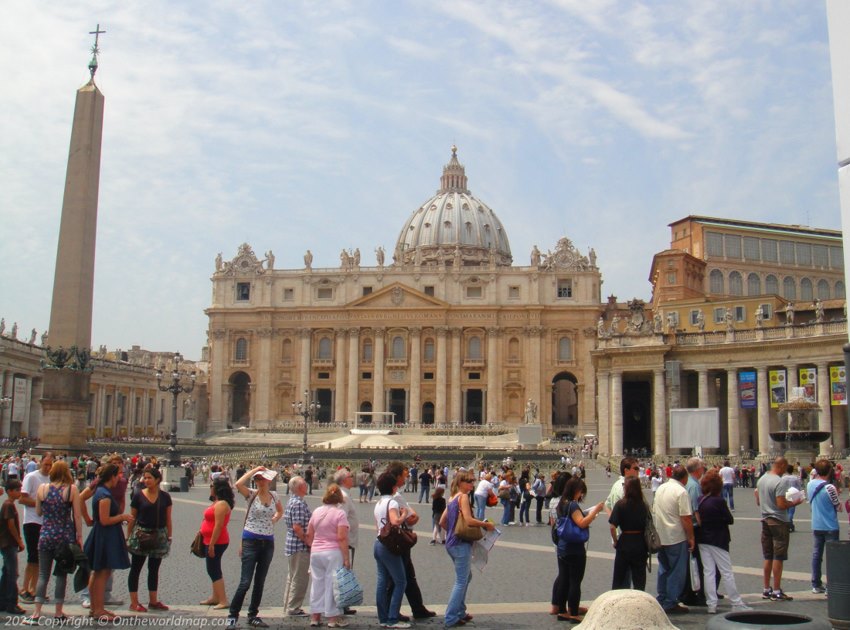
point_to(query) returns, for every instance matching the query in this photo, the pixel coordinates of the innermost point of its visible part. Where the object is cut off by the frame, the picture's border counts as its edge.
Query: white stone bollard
(625, 609)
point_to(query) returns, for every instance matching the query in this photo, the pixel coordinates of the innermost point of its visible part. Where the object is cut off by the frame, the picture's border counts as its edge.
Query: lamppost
(176, 388)
(306, 409)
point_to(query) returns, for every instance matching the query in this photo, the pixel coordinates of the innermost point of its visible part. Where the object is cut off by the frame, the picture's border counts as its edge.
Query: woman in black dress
(629, 515)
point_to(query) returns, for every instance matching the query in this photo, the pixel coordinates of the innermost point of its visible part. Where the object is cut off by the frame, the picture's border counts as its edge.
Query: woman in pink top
(327, 537)
(216, 539)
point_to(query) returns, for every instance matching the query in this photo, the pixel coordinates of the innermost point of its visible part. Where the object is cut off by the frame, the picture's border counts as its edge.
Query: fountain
(798, 436)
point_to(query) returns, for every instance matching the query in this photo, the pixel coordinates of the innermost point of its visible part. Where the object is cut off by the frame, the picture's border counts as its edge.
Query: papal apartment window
(325, 293)
(771, 285)
(789, 288)
(429, 290)
(740, 313)
(804, 254)
(839, 290)
(766, 311)
(719, 315)
(820, 255)
(694, 318)
(768, 250)
(565, 288)
(806, 290)
(473, 292)
(836, 257)
(288, 295)
(736, 284)
(243, 291)
(823, 290)
(513, 293)
(714, 244)
(241, 349)
(753, 284)
(715, 281)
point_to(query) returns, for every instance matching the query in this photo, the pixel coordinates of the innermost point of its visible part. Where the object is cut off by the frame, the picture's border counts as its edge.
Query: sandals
(138, 608)
(106, 616)
(157, 606)
(222, 606)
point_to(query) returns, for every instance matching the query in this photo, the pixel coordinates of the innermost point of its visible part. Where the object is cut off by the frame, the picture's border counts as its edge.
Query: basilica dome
(453, 227)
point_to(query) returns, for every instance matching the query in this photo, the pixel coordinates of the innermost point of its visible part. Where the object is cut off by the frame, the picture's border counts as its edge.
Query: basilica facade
(450, 331)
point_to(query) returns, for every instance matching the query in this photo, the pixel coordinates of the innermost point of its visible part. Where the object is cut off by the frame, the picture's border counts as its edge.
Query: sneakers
(741, 608)
(231, 624)
(712, 610)
(298, 612)
(779, 596)
(818, 590)
(397, 624)
(114, 602)
(27, 597)
(767, 593)
(433, 542)
(257, 622)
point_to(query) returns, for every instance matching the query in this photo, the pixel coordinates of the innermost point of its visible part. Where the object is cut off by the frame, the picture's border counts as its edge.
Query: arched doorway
(366, 407)
(240, 392)
(564, 400)
(428, 413)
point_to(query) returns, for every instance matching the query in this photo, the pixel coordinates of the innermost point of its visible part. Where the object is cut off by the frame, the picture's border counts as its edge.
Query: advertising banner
(778, 387)
(19, 399)
(809, 382)
(838, 385)
(747, 390)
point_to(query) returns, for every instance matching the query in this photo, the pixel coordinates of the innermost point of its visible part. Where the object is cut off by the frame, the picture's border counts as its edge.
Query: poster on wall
(19, 400)
(778, 384)
(747, 390)
(809, 383)
(838, 385)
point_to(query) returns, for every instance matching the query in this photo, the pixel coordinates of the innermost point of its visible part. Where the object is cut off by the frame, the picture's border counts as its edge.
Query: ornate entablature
(565, 257)
(245, 263)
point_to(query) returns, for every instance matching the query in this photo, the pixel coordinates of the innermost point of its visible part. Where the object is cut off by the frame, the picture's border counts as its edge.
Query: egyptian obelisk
(66, 401)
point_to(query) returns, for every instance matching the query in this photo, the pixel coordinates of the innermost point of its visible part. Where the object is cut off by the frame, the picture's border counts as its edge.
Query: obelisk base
(65, 408)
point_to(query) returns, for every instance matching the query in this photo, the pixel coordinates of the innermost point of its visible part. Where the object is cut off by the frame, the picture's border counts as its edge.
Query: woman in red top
(216, 539)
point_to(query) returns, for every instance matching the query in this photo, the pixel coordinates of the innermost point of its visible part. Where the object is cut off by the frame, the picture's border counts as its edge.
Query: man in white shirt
(671, 513)
(727, 474)
(345, 480)
(32, 524)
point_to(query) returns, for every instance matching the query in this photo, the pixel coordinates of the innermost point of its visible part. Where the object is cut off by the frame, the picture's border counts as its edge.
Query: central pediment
(397, 295)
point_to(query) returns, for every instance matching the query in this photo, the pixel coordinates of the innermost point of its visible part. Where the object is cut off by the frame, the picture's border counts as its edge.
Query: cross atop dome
(454, 176)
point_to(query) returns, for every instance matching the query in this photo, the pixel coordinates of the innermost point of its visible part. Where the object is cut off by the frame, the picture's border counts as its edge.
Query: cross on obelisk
(66, 398)
(95, 51)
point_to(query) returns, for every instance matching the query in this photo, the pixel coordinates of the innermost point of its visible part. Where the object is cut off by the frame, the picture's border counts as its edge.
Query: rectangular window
(768, 250)
(565, 288)
(366, 376)
(428, 376)
(836, 257)
(719, 315)
(513, 293)
(288, 295)
(671, 277)
(429, 290)
(367, 290)
(323, 376)
(820, 255)
(786, 253)
(694, 318)
(733, 246)
(243, 291)
(714, 244)
(474, 376)
(473, 292)
(325, 293)
(740, 313)
(751, 248)
(804, 254)
(766, 311)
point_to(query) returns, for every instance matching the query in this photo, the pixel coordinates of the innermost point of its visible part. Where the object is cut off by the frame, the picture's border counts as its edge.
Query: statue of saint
(730, 323)
(13, 334)
(530, 411)
(269, 260)
(600, 327)
(615, 324)
(457, 260)
(344, 259)
(44, 339)
(789, 314)
(759, 317)
(657, 323)
(819, 311)
(592, 256)
(33, 335)
(2, 325)
(535, 256)
(218, 262)
(671, 323)
(701, 320)
(356, 257)
(379, 255)
(308, 260)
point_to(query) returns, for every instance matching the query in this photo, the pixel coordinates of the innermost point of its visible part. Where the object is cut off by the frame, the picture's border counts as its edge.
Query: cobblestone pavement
(513, 591)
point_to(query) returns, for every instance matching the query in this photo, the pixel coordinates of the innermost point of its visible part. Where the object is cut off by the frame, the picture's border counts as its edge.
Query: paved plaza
(513, 591)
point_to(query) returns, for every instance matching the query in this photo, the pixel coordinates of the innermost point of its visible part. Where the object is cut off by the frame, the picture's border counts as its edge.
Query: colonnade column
(378, 376)
(494, 393)
(353, 373)
(702, 388)
(824, 399)
(733, 424)
(659, 413)
(306, 335)
(415, 378)
(603, 418)
(763, 411)
(534, 333)
(264, 389)
(792, 379)
(440, 407)
(339, 371)
(617, 412)
(456, 360)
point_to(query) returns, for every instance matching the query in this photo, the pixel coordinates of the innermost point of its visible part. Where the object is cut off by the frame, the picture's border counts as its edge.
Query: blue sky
(323, 125)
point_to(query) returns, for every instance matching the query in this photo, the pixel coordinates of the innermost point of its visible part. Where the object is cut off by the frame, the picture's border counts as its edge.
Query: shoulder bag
(569, 532)
(650, 533)
(465, 531)
(148, 539)
(396, 538)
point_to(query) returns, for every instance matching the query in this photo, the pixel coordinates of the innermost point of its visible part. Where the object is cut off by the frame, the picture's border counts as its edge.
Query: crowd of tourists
(690, 516)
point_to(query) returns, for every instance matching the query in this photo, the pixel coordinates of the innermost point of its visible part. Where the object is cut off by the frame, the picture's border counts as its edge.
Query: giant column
(659, 414)
(440, 411)
(616, 412)
(351, 407)
(415, 415)
(494, 392)
(340, 371)
(763, 412)
(732, 418)
(456, 360)
(66, 402)
(378, 358)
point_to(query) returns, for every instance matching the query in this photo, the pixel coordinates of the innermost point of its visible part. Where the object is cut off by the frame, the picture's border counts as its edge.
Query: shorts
(31, 533)
(775, 536)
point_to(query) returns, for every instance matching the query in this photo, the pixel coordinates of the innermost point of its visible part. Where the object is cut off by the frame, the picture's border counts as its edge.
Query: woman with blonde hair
(58, 504)
(327, 537)
(460, 550)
